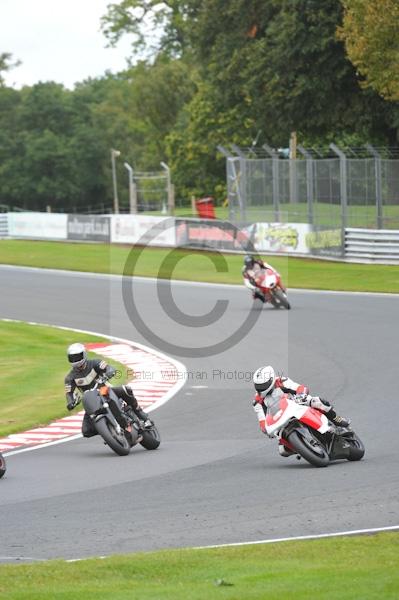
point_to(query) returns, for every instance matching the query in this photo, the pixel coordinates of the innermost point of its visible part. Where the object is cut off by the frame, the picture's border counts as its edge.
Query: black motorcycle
(116, 422)
(3, 467)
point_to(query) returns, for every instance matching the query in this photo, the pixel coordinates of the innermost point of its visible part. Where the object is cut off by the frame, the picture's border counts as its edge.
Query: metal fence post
(309, 181)
(343, 191)
(230, 200)
(293, 169)
(276, 181)
(114, 154)
(132, 190)
(378, 185)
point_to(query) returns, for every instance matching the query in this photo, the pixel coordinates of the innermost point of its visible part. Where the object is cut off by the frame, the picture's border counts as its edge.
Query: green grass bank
(352, 568)
(193, 265)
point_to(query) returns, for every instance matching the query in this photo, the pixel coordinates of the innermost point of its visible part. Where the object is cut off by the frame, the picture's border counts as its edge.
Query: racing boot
(337, 420)
(284, 451)
(144, 417)
(259, 296)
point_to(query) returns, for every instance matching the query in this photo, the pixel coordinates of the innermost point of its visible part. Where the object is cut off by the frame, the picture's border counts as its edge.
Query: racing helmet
(249, 261)
(77, 355)
(264, 379)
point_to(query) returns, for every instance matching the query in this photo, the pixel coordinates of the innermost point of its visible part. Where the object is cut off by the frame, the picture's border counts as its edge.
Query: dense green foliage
(370, 32)
(214, 72)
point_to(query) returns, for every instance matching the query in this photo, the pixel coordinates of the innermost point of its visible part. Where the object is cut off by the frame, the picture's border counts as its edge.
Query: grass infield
(195, 265)
(351, 568)
(33, 366)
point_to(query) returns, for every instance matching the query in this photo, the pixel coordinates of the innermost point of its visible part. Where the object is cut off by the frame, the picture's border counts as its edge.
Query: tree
(370, 32)
(6, 65)
(138, 17)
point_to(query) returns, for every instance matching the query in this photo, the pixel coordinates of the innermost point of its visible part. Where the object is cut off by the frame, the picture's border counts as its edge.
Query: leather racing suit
(78, 380)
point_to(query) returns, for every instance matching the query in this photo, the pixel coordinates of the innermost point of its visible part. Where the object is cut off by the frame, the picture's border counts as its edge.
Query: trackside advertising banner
(297, 238)
(282, 237)
(201, 233)
(143, 230)
(37, 225)
(89, 228)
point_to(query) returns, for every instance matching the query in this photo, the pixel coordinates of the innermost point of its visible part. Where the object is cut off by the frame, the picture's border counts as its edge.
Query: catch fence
(338, 191)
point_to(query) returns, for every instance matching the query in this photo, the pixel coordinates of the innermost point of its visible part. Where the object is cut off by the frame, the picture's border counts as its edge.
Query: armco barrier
(3, 225)
(372, 245)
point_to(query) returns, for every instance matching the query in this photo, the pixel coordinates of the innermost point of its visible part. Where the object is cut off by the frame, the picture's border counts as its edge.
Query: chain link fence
(334, 192)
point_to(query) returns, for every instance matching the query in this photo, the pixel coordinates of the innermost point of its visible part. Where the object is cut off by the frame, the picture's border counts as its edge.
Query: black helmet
(249, 261)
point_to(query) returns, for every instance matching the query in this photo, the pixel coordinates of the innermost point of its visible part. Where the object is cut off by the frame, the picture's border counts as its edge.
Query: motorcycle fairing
(281, 410)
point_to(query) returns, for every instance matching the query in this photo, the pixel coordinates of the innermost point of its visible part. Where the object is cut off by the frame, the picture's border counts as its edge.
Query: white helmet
(77, 355)
(264, 379)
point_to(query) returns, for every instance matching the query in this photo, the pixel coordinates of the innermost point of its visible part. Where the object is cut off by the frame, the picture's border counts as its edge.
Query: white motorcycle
(306, 432)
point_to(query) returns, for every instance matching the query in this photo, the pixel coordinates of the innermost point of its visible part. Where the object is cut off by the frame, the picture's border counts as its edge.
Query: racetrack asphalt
(215, 478)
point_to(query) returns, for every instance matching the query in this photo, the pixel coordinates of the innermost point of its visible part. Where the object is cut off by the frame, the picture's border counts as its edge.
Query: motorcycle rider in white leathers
(247, 272)
(266, 381)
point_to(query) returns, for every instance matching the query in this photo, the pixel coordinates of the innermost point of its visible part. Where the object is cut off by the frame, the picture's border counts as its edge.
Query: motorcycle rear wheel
(302, 446)
(117, 442)
(279, 298)
(151, 438)
(3, 467)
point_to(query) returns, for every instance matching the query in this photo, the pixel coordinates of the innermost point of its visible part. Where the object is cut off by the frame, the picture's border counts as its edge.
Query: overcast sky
(57, 40)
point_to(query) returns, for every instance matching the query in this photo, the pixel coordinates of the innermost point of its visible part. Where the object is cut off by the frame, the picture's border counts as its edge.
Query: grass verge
(351, 568)
(194, 265)
(34, 364)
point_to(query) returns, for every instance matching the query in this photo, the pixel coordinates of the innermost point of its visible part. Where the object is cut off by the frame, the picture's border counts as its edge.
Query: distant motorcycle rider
(250, 263)
(83, 375)
(266, 381)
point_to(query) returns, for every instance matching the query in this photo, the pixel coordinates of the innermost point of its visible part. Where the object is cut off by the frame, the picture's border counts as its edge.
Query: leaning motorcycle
(306, 432)
(3, 467)
(116, 422)
(268, 286)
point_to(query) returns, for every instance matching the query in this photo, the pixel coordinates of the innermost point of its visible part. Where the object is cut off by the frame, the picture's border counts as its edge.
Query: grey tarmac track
(215, 478)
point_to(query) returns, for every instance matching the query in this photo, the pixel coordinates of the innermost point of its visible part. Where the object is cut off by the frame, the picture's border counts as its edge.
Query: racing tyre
(357, 449)
(151, 438)
(116, 441)
(3, 467)
(279, 299)
(311, 451)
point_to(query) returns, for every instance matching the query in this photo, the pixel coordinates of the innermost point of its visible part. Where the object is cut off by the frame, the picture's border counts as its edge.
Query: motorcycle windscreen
(273, 401)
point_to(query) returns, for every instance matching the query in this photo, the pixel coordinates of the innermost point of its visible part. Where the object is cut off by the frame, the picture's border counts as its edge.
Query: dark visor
(261, 387)
(73, 358)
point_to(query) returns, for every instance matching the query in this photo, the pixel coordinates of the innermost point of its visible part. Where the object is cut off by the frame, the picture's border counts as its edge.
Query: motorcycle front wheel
(279, 298)
(356, 447)
(312, 451)
(151, 438)
(116, 441)
(3, 467)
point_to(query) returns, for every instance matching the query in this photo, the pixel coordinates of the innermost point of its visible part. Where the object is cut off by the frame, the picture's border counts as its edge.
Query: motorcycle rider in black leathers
(266, 381)
(83, 375)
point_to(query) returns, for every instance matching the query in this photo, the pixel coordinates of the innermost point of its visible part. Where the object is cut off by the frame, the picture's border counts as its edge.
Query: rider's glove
(71, 404)
(302, 398)
(319, 403)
